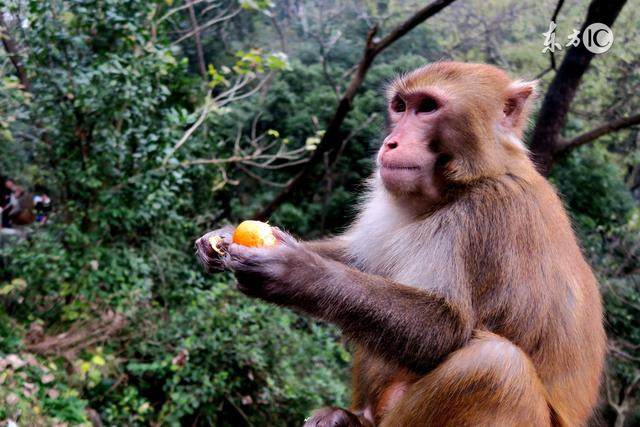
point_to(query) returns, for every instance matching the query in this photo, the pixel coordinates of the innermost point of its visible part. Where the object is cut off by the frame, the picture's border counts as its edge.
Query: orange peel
(214, 241)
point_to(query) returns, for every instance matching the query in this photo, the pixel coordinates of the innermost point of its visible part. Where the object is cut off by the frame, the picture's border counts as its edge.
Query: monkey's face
(410, 159)
(451, 123)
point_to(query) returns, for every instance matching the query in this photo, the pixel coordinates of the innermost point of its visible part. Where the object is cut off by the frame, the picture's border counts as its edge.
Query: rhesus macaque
(460, 283)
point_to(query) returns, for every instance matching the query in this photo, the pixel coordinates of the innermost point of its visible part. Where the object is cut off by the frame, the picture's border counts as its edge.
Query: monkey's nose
(390, 145)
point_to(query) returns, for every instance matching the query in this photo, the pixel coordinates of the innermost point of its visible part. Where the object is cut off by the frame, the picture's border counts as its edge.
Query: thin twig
(623, 123)
(206, 109)
(207, 24)
(175, 10)
(332, 138)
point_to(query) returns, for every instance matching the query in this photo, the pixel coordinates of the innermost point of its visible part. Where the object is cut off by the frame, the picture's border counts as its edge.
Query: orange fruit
(254, 233)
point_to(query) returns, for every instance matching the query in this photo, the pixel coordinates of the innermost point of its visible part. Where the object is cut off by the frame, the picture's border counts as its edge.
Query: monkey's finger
(225, 231)
(258, 255)
(242, 258)
(207, 256)
(237, 251)
(212, 243)
(222, 236)
(284, 237)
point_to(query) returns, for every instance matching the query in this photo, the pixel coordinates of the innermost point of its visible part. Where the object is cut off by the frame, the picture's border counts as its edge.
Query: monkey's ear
(516, 107)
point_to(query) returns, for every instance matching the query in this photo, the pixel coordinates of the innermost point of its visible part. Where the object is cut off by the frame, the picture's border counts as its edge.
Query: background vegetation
(151, 122)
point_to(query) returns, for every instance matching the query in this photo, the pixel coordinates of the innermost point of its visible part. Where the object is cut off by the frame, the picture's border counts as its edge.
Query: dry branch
(196, 37)
(564, 146)
(562, 90)
(332, 137)
(221, 17)
(80, 335)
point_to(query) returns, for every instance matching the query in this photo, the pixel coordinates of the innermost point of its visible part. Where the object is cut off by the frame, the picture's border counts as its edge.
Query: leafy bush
(593, 188)
(106, 303)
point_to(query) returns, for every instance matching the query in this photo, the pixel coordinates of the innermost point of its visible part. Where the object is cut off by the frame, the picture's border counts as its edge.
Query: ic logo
(597, 38)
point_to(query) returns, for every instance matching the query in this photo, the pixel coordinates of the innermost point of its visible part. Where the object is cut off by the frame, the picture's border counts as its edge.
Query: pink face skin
(407, 160)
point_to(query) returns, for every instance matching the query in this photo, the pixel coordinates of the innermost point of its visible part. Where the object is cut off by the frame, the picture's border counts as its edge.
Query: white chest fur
(386, 240)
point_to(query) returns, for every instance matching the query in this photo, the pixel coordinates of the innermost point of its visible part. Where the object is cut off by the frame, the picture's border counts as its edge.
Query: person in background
(42, 204)
(21, 207)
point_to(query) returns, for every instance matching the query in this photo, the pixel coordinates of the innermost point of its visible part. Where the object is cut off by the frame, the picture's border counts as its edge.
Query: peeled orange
(254, 233)
(214, 241)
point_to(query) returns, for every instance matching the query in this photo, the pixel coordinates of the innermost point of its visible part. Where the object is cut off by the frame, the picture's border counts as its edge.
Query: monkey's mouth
(399, 176)
(399, 167)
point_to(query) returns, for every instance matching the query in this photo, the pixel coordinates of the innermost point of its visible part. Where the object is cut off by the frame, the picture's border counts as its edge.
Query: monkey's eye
(427, 105)
(398, 105)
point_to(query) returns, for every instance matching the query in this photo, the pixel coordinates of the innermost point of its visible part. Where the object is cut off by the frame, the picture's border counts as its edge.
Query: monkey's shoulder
(511, 204)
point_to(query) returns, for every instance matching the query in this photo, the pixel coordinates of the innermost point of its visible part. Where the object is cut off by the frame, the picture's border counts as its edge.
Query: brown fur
(466, 295)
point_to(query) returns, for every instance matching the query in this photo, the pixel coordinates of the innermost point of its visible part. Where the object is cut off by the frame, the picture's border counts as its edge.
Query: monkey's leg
(488, 382)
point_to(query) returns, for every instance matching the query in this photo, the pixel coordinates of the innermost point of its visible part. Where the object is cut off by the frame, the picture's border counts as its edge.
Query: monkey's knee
(332, 417)
(489, 382)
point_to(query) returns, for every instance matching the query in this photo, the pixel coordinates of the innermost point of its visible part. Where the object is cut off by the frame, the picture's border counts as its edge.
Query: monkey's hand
(271, 273)
(212, 258)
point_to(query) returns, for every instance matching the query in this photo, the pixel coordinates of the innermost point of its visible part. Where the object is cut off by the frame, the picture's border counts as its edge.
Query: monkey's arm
(334, 248)
(412, 326)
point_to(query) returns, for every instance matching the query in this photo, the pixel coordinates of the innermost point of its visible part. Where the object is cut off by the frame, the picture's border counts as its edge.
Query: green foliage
(105, 125)
(593, 188)
(38, 392)
(217, 349)
(112, 99)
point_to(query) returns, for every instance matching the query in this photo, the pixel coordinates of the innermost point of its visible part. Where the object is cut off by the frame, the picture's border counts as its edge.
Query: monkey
(460, 283)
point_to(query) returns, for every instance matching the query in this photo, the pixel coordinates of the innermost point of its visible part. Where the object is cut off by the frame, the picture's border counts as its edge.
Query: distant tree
(547, 142)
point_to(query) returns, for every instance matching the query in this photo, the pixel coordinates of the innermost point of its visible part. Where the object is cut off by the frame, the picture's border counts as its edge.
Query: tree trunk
(557, 101)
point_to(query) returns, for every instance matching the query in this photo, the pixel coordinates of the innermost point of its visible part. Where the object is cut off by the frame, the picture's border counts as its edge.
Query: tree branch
(196, 37)
(221, 17)
(552, 55)
(209, 104)
(332, 137)
(564, 146)
(556, 12)
(177, 9)
(408, 25)
(10, 46)
(562, 90)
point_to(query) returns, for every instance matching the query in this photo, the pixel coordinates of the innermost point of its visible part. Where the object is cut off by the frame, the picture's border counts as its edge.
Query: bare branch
(544, 72)
(552, 54)
(564, 146)
(563, 88)
(408, 25)
(259, 178)
(206, 109)
(196, 37)
(219, 18)
(219, 101)
(557, 10)
(622, 354)
(257, 154)
(609, 393)
(332, 138)
(247, 94)
(175, 10)
(209, 8)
